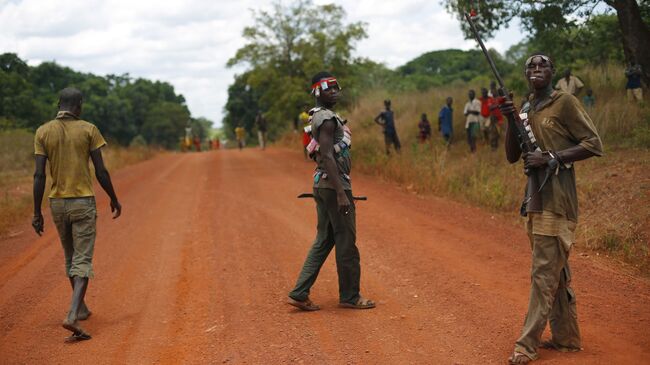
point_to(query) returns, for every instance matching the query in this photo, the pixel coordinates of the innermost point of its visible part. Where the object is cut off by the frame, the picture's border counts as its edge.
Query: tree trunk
(636, 35)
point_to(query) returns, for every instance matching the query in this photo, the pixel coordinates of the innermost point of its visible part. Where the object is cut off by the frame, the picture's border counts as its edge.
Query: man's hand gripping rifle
(525, 137)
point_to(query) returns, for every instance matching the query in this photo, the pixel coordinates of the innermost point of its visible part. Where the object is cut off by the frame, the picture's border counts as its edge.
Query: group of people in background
(192, 141)
(483, 118)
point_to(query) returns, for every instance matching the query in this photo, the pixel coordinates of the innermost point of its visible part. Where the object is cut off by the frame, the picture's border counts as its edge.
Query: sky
(188, 42)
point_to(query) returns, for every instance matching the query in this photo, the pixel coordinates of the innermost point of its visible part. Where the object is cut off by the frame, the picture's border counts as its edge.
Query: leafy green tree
(285, 47)
(550, 21)
(165, 123)
(121, 107)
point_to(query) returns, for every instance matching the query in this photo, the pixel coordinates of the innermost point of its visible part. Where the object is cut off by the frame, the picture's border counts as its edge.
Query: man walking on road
(565, 134)
(67, 142)
(334, 202)
(386, 119)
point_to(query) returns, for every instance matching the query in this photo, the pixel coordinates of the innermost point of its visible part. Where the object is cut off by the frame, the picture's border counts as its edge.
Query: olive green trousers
(334, 229)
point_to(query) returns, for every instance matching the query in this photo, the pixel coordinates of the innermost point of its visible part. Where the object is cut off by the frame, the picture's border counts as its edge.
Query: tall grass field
(614, 190)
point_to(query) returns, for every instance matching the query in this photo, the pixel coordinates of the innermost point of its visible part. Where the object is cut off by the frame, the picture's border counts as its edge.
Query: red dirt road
(198, 267)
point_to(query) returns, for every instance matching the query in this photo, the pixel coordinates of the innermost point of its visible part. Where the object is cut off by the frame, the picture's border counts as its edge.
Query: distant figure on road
(633, 86)
(565, 134)
(386, 119)
(334, 203)
(260, 121)
(472, 112)
(68, 142)
(424, 127)
(304, 123)
(240, 134)
(197, 144)
(569, 83)
(589, 100)
(445, 121)
(188, 137)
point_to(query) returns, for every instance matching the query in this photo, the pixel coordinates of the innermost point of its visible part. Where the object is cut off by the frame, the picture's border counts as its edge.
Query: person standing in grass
(589, 100)
(569, 83)
(424, 129)
(486, 101)
(472, 114)
(334, 202)
(386, 119)
(565, 134)
(445, 121)
(633, 86)
(68, 142)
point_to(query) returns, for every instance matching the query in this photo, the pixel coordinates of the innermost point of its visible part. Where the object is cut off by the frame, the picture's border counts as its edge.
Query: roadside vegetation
(614, 190)
(17, 167)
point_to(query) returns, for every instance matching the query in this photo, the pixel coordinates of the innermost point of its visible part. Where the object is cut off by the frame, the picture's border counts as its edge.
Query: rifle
(310, 195)
(525, 137)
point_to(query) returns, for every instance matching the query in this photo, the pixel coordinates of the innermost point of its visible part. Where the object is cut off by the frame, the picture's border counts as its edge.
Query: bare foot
(84, 313)
(74, 327)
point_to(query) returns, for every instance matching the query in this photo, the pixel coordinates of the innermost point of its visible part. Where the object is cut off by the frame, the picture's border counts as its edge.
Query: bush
(138, 141)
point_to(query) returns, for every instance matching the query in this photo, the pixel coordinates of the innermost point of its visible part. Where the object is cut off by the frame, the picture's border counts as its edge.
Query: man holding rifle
(564, 134)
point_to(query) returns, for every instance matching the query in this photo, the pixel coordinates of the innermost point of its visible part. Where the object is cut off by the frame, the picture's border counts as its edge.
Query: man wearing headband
(330, 148)
(566, 134)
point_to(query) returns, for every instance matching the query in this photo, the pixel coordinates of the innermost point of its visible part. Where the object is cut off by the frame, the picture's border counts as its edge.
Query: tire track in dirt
(198, 268)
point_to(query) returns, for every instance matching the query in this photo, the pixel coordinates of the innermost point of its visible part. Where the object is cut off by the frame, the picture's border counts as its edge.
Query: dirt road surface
(197, 269)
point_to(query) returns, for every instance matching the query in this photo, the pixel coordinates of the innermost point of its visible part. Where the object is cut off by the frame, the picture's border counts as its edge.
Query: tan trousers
(551, 298)
(635, 94)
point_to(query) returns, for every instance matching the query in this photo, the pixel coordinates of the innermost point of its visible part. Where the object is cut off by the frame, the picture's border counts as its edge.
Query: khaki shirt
(67, 142)
(569, 87)
(561, 124)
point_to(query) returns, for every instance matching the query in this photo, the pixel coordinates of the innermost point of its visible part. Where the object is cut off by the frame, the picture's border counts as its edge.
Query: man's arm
(378, 118)
(39, 190)
(326, 141)
(101, 173)
(513, 150)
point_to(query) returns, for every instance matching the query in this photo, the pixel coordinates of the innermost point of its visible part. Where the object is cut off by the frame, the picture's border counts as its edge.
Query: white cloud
(188, 42)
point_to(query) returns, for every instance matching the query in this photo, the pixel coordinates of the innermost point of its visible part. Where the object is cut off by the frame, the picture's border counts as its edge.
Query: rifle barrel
(487, 55)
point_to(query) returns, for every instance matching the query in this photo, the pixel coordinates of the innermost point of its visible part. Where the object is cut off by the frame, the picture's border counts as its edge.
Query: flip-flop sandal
(518, 358)
(362, 303)
(78, 336)
(306, 305)
(550, 345)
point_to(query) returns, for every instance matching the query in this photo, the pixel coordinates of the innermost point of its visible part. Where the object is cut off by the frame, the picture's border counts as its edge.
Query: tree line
(126, 110)
(288, 44)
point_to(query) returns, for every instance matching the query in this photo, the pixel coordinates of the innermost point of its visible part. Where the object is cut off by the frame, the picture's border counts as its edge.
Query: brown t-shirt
(67, 142)
(561, 124)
